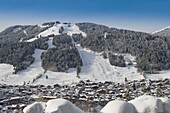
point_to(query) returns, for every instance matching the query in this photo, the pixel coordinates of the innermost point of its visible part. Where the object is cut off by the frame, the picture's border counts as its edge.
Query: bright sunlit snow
(52, 30)
(73, 29)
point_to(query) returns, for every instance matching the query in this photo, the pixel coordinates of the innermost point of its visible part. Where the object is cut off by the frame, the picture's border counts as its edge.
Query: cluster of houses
(88, 95)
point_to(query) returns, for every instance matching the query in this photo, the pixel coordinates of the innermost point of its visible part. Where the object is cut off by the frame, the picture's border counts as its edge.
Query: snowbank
(34, 108)
(147, 104)
(166, 104)
(118, 106)
(142, 104)
(61, 106)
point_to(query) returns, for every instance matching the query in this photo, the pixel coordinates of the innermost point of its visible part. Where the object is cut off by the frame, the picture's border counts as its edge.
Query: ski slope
(94, 68)
(97, 68)
(72, 29)
(52, 30)
(69, 29)
(25, 76)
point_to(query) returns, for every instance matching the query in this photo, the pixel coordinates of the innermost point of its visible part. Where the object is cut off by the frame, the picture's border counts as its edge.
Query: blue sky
(139, 15)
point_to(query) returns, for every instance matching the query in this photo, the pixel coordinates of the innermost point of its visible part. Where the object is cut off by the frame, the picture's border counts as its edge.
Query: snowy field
(94, 68)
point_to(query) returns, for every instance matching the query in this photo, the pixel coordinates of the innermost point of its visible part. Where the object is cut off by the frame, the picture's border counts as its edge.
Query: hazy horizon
(145, 15)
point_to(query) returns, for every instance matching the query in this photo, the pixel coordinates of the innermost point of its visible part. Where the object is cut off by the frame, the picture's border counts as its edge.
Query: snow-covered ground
(52, 30)
(27, 75)
(99, 69)
(6, 71)
(94, 68)
(162, 75)
(68, 28)
(73, 29)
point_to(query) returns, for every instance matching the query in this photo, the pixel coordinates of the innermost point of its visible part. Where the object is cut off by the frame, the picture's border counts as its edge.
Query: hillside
(67, 53)
(152, 52)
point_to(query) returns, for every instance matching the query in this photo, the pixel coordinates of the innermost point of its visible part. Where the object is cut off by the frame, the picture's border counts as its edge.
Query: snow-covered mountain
(95, 67)
(163, 32)
(89, 46)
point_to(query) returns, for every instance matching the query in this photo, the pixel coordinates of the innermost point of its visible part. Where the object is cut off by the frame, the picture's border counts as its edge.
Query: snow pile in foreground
(53, 106)
(142, 104)
(61, 106)
(118, 106)
(34, 108)
(147, 104)
(166, 104)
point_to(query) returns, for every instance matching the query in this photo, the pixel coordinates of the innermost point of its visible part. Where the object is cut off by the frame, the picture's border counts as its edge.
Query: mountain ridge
(162, 32)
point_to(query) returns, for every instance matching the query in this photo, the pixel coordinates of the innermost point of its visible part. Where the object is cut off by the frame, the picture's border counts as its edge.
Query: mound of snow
(61, 106)
(118, 106)
(34, 108)
(166, 104)
(147, 104)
